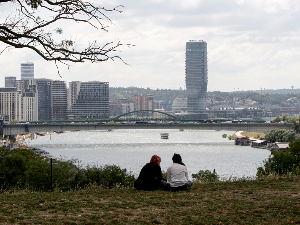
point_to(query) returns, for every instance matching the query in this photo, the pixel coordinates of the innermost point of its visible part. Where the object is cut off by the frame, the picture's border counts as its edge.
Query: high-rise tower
(27, 71)
(196, 78)
(44, 89)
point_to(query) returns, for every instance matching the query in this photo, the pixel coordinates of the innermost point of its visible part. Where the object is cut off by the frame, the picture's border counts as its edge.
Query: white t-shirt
(177, 175)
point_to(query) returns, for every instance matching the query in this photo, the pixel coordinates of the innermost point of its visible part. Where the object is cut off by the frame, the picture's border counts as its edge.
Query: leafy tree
(294, 120)
(26, 28)
(284, 118)
(282, 163)
(275, 135)
(277, 120)
(289, 136)
(281, 135)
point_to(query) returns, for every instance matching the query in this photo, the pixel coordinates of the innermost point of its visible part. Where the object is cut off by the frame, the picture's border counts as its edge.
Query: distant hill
(271, 91)
(158, 94)
(282, 97)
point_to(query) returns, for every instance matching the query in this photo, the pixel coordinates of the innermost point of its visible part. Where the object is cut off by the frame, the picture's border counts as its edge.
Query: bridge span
(13, 129)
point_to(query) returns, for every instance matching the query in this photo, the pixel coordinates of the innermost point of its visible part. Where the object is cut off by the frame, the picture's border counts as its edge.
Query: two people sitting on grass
(150, 177)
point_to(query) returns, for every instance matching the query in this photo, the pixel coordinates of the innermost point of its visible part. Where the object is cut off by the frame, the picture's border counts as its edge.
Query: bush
(231, 137)
(13, 167)
(282, 163)
(206, 176)
(22, 168)
(108, 176)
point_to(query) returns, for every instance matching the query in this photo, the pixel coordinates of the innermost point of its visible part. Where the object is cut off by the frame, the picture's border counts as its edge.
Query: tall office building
(30, 103)
(44, 88)
(91, 101)
(10, 81)
(27, 71)
(52, 98)
(196, 78)
(74, 88)
(59, 100)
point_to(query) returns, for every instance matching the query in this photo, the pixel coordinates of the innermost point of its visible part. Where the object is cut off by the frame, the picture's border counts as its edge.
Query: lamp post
(51, 174)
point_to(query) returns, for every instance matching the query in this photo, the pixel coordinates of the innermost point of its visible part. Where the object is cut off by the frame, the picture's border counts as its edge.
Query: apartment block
(10, 104)
(89, 99)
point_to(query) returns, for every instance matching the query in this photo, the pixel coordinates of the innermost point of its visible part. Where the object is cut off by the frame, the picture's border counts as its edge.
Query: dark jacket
(149, 178)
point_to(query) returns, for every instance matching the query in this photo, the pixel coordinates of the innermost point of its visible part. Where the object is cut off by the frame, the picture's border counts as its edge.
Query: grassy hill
(269, 201)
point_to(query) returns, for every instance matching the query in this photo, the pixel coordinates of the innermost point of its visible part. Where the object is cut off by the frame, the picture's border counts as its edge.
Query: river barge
(164, 135)
(243, 141)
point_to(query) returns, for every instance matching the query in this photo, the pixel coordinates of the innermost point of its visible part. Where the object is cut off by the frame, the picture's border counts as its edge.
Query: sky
(252, 45)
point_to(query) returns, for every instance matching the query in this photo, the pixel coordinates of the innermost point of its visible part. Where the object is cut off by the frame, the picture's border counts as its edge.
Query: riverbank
(270, 201)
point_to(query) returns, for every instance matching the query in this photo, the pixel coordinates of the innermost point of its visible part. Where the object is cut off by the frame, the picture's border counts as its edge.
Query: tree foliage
(281, 135)
(26, 28)
(294, 120)
(261, 99)
(206, 176)
(282, 163)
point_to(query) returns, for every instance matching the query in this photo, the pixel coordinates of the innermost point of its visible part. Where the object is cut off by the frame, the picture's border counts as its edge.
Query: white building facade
(10, 104)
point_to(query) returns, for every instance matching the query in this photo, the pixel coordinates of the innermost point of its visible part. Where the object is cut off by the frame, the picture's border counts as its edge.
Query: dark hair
(177, 159)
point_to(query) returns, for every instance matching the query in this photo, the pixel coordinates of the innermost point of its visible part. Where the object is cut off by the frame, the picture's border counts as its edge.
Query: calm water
(131, 149)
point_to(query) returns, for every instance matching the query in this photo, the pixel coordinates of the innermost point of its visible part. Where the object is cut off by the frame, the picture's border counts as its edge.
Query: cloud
(252, 44)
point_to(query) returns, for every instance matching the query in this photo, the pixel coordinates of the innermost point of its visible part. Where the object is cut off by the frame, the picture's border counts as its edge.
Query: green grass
(269, 201)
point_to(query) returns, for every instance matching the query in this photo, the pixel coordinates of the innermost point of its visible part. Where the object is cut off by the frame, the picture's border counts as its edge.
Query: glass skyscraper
(196, 78)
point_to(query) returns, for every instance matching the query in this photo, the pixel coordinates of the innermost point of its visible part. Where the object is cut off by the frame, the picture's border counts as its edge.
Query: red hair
(155, 159)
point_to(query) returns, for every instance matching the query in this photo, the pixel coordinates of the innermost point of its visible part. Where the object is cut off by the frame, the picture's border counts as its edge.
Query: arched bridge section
(144, 110)
(13, 129)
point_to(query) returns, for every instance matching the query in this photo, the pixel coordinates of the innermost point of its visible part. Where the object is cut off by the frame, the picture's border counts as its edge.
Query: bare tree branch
(26, 30)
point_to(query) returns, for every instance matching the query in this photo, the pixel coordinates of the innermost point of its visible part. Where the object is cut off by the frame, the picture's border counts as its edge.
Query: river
(132, 149)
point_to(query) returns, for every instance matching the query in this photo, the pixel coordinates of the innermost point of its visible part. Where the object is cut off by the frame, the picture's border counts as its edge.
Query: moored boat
(243, 141)
(164, 135)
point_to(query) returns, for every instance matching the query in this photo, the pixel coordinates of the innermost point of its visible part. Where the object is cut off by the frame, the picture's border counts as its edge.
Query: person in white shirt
(177, 175)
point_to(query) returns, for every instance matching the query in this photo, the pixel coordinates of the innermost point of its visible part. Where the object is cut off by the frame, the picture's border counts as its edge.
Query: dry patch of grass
(244, 202)
(253, 134)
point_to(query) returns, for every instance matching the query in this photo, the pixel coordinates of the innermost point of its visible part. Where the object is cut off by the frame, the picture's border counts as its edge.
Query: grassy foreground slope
(270, 201)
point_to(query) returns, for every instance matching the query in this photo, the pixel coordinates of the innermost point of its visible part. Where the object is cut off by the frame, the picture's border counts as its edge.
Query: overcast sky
(252, 45)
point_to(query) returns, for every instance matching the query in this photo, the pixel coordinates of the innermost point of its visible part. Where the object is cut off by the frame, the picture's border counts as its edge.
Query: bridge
(13, 129)
(147, 110)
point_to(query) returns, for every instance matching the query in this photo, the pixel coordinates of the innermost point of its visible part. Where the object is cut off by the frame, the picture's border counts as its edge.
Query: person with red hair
(150, 177)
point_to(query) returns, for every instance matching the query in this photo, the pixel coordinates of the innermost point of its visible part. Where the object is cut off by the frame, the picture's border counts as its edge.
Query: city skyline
(252, 45)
